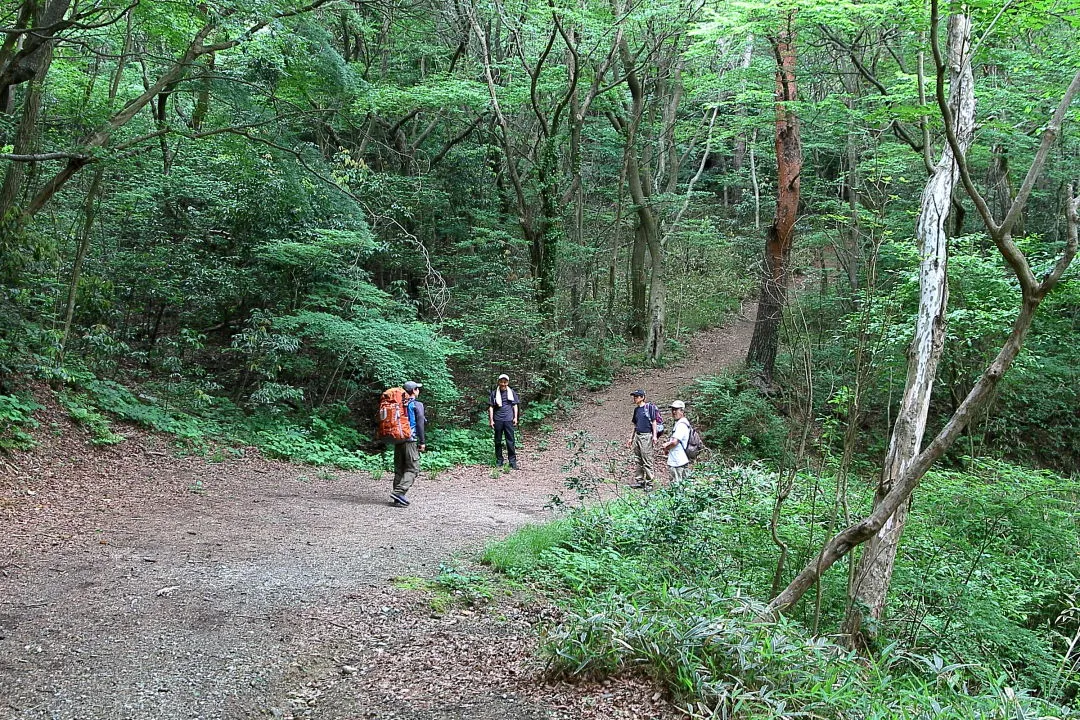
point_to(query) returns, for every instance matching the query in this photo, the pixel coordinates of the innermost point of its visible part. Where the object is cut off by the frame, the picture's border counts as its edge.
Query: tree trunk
(871, 585)
(37, 66)
(1032, 290)
(654, 343)
(202, 100)
(638, 296)
(23, 53)
(738, 155)
(80, 255)
(781, 234)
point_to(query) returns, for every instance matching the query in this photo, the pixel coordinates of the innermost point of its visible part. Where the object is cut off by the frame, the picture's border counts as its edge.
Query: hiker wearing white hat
(677, 459)
(503, 418)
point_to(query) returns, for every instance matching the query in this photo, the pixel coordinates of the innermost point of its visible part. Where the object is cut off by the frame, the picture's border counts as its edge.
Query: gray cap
(678, 405)
(410, 387)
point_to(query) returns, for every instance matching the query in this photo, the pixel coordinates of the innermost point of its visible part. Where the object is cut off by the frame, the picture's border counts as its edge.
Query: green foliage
(81, 411)
(378, 352)
(668, 582)
(719, 660)
(521, 552)
(314, 444)
(16, 417)
(449, 447)
(471, 588)
(1035, 414)
(454, 585)
(736, 420)
(149, 412)
(990, 568)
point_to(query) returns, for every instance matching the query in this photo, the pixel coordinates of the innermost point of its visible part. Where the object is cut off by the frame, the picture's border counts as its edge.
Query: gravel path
(135, 584)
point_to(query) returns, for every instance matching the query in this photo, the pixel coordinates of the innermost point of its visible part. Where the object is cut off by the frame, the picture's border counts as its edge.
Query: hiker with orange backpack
(407, 451)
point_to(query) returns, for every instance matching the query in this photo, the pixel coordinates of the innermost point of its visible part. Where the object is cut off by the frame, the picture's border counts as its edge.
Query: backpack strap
(682, 442)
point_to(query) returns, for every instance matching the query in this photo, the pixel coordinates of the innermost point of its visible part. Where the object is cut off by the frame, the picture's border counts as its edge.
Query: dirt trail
(135, 584)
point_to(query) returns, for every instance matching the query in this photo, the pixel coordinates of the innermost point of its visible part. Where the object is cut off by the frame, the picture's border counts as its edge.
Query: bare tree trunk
(638, 296)
(80, 255)
(654, 343)
(870, 589)
(738, 155)
(781, 234)
(754, 182)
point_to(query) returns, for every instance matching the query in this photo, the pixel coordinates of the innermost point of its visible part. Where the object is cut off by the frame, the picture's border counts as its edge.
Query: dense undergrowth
(982, 614)
(327, 436)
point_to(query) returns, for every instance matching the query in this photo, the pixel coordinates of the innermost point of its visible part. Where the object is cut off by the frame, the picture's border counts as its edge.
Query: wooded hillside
(236, 222)
(284, 204)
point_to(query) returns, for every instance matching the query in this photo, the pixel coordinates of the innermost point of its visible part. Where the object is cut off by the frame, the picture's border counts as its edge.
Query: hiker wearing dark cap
(407, 454)
(642, 439)
(503, 418)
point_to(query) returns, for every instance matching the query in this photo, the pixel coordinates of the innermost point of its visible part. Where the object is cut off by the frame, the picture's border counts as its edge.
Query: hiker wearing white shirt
(677, 460)
(503, 418)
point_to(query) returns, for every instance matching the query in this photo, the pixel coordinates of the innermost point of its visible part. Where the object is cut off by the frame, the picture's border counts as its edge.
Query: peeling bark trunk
(871, 584)
(781, 234)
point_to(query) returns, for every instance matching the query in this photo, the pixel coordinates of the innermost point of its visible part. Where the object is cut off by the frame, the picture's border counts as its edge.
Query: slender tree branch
(42, 157)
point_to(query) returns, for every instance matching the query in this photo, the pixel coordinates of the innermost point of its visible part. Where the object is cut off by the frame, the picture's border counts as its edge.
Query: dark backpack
(653, 413)
(694, 446)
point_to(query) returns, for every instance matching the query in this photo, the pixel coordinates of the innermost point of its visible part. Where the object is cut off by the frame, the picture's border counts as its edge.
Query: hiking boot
(642, 485)
(399, 500)
(513, 465)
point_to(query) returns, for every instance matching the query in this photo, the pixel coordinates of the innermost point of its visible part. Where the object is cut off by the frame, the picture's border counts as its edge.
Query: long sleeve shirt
(418, 421)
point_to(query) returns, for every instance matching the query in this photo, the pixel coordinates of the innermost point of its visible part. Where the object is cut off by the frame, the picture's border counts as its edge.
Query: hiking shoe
(399, 500)
(642, 486)
(513, 465)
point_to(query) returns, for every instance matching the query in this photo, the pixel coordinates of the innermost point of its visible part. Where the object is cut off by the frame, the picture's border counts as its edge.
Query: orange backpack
(393, 418)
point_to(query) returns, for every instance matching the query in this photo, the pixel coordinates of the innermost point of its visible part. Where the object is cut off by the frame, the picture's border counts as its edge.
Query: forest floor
(138, 584)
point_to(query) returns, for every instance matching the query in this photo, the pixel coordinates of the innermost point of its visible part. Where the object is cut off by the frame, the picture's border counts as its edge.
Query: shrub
(735, 419)
(520, 553)
(983, 598)
(16, 417)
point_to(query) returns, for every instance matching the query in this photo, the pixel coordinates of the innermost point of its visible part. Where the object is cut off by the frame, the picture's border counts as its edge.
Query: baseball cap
(638, 393)
(504, 376)
(678, 405)
(411, 386)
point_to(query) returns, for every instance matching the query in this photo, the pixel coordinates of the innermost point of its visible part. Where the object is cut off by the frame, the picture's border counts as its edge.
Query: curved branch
(42, 157)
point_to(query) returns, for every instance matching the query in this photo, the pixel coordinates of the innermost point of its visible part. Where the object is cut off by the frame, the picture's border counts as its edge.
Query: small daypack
(694, 446)
(392, 422)
(653, 413)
